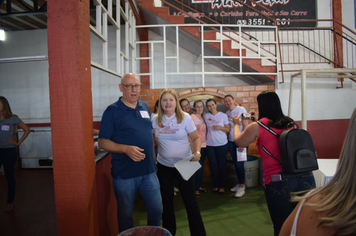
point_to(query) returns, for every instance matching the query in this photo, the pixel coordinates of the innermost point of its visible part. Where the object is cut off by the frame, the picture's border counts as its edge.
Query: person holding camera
(235, 110)
(277, 185)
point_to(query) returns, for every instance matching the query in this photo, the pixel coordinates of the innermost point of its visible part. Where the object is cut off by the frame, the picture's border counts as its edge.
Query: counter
(327, 169)
(100, 154)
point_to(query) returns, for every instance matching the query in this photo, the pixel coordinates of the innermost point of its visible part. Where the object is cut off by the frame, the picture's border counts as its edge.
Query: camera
(248, 116)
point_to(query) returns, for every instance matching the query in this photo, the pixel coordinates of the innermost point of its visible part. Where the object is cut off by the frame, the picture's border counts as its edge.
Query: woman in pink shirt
(277, 184)
(199, 122)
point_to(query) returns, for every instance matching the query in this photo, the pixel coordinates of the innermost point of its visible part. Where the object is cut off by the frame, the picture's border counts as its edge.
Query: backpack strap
(292, 124)
(267, 128)
(263, 147)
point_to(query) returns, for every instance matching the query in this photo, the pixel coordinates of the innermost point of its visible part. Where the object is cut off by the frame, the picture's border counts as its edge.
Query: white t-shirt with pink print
(216, 137)
(172, 138)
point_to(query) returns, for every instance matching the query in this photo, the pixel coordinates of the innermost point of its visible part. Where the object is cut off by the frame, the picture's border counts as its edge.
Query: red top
(271, 143)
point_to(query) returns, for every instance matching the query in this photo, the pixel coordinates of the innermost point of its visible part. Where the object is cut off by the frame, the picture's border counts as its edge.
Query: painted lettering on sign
(247, 12)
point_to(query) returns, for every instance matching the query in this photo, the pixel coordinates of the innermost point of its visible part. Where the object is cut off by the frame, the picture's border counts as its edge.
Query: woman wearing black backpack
(277, 185)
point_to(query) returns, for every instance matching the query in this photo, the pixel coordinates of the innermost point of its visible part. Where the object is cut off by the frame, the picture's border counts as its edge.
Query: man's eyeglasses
(130, 86)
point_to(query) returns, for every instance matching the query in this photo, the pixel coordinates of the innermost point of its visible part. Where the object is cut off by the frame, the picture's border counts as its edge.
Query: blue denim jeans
(239, 165)
(8, 158)
(125, 192)
(278, 195)
(217, 157)
(199, 172)
(167, 177)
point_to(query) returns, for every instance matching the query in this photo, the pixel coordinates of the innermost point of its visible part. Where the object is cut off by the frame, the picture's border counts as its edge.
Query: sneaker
(240, 192)
(176, 190)
(234, 189)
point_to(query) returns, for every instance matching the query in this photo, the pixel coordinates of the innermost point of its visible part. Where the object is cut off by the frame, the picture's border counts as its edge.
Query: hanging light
(2, 34)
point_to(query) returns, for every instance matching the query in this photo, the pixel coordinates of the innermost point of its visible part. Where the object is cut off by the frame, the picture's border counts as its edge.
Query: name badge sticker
(5, 127)
(144, 114)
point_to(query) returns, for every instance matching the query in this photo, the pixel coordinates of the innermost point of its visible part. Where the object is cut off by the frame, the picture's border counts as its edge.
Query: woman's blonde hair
(179, 112)
(339, 194)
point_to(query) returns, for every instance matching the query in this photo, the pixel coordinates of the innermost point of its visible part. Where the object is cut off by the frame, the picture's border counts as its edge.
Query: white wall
(348, 13)
(325, 101)
(25, 84)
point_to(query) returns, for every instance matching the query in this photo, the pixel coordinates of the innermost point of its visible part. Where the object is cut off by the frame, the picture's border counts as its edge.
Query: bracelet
(197, 152)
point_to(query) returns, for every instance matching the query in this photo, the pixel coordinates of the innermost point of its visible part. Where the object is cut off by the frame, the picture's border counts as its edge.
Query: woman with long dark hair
(8, 151)
(277, 185)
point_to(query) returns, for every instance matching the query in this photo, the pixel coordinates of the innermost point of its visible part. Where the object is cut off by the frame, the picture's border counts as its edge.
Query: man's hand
(135, 153)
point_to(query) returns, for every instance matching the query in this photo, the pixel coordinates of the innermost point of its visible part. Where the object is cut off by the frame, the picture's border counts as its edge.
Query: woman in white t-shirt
(171, 129)
(235, 110)
(217, 146)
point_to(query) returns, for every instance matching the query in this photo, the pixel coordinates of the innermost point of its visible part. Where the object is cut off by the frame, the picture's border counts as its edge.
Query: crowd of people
(180, 132)
(146, 147)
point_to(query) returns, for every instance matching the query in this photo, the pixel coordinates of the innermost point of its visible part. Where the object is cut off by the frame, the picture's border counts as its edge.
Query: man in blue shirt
(126, 132)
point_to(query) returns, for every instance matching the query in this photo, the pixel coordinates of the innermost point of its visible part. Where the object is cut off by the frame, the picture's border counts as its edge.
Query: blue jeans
(239, 165)
(199, 172)
(167, 177)
(278, 195)
(8, 158)
(217, 157)
(125, 192)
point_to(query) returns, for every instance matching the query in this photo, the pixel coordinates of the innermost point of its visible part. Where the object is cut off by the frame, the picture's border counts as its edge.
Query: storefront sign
(236, 12)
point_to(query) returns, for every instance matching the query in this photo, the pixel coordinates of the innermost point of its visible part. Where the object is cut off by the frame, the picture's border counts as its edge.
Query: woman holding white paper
(239, 165)
(171, 128)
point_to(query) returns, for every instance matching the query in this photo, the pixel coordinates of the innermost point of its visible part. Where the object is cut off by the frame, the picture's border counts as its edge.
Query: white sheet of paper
(186, 167)
(241, 156)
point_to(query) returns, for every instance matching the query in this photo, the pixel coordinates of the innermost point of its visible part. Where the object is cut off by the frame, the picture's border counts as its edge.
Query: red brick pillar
(337, 16)
(72, 117)
(144, 64)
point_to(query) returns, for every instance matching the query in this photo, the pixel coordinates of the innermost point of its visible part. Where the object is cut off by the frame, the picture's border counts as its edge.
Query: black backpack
(297, 150)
